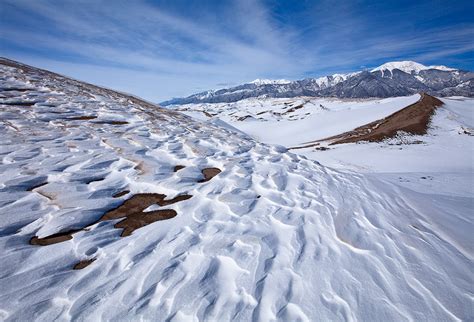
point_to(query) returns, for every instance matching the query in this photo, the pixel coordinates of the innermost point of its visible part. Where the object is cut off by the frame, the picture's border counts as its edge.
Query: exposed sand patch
(293, 109)
(138, 220)
(112, 122)
(121, 193)
(82, 118)
(54, 239)
(22, 103)
(178, 167)
(209, 173)
(413, 119)
(84, 263)
(138, 203)
(132, 210)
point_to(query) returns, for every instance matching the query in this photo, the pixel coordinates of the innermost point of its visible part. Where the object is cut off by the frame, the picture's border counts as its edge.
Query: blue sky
(163, 49)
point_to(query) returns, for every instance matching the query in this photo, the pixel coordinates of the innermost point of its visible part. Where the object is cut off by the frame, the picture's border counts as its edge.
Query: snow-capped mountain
(259, 81)
(409, 67)
(388, 80)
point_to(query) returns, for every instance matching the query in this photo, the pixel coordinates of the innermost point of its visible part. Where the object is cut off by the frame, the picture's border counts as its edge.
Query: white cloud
(158, 53)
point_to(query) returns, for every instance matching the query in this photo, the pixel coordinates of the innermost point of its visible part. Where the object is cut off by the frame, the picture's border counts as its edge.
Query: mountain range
(388, 80)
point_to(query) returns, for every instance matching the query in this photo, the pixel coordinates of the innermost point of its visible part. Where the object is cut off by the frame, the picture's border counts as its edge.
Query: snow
(316, 119)
(259, 81)
(274, 236)
(445, 150)
(441, 67)
(325, 81)
(409, 67)
(206, 94)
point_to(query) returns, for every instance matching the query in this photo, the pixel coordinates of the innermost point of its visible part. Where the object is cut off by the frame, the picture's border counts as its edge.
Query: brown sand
(138, 203)
(83, 264)
(23, 103)
(413, 119)
(112, 122)
(82, 118)
(121, 193)
(303, 146)
(291, 110)
(132, 210)
(138, 220)
(53, 239)
(178, 167)
(209, 173)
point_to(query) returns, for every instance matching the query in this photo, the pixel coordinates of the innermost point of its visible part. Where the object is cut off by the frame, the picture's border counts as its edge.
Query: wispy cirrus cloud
(159, 49)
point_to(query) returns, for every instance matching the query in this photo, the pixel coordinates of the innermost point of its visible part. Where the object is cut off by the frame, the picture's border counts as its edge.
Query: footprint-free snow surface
(115, 209)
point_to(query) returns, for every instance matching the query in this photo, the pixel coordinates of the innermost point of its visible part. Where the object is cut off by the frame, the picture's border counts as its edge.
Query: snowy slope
(448, 147)
(274, 236)
(293, 122)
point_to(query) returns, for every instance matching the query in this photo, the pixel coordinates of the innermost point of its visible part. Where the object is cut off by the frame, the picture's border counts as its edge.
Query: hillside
(116, 209)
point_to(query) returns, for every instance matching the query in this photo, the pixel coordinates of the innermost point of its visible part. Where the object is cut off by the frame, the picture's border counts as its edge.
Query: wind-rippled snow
(274, 236)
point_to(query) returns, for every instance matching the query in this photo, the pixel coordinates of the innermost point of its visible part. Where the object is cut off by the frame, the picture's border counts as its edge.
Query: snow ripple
(273, 237)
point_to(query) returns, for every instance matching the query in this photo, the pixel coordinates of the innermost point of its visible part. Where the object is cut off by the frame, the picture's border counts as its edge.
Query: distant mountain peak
(409, 66)
(409, 78)
(263, 81)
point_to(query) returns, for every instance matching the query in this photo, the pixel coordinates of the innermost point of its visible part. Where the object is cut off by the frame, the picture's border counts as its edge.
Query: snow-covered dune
(294, 121)
(274, 236)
